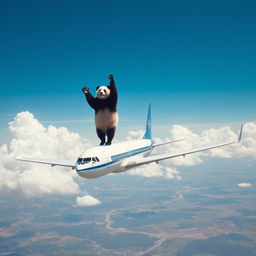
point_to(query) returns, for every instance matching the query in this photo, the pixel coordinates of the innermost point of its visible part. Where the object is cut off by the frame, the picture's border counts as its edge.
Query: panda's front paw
(110, 77)
(85, 90)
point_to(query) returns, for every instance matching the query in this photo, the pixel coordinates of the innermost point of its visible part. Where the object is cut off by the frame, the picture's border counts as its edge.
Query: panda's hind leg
(110, 135)
(102, 136)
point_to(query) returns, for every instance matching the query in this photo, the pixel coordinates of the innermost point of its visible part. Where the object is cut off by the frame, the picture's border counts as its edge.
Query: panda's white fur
(103, 92)
(105, 119)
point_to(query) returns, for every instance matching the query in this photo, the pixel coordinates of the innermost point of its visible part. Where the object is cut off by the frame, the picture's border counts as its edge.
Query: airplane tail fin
(147, 134)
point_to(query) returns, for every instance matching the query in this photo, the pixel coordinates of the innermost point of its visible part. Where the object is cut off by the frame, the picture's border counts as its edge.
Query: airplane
(120, 157)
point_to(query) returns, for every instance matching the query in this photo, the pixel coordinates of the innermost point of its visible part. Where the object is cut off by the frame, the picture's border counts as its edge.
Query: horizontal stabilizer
(164, 143)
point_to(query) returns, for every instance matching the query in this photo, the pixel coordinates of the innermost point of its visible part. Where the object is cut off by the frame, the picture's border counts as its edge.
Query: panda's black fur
(106, 116)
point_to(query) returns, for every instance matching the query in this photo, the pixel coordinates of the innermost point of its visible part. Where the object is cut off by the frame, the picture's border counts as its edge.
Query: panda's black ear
(97, 88)
(108, 87)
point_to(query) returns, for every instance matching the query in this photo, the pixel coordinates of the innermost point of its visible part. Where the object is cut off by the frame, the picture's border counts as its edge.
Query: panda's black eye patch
(104, 90)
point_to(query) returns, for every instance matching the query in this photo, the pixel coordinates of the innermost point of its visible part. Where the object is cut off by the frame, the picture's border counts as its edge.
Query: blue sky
(194, 60)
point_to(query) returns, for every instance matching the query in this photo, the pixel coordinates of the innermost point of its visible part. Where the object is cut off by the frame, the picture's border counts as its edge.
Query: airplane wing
(151, 159)
(50, 162)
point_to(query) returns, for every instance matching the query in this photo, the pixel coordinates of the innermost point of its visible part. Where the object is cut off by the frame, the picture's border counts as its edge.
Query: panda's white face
(103, 92)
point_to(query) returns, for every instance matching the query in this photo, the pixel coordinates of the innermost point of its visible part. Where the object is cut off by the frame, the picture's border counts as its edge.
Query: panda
(106, 116)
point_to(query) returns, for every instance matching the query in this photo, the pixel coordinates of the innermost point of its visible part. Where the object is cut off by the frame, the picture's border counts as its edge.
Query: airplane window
(95, 159)
(79, 160)
(84, 160)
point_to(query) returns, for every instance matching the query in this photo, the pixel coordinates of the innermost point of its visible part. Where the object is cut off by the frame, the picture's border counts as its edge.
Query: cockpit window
(84, 160)
(87, 160)
(79, 160)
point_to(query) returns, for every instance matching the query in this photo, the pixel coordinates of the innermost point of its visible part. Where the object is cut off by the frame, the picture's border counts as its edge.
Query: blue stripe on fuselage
(134, 152)
(119, 157)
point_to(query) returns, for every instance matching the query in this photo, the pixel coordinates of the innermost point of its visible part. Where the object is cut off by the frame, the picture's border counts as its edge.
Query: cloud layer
(211, 137)
(155, 170)
(29, 138)
(192, 141)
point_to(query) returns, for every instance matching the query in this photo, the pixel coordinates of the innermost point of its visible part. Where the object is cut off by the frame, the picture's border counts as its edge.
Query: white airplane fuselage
(102, 160)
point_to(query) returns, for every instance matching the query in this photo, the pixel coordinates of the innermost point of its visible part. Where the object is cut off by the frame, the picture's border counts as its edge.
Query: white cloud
(246, 148)
(209, 137)
(244, 185)
(134, 135)
(155, 170)
(87, 201)
(33, 140)
(193, 141)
